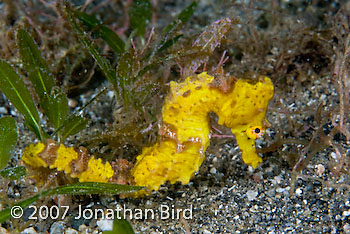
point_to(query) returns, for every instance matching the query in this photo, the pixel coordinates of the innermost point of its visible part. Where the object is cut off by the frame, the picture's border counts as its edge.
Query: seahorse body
(185, 132)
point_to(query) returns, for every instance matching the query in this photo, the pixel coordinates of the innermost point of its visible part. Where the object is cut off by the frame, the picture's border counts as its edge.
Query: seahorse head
(243, 110)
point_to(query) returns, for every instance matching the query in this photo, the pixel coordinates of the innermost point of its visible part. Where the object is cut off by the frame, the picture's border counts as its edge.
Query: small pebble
(57, 227)
(105, 224)
(334, 155)
(72, 103)
(30, 230)
(71, 231)
(346, 228)
(320, 169)
(83, 228)
(280, 190)
(4, 231)
(298, 192)
(110, 94)
(251, 195)
(346, 213)
(271, 192)
(3, 110)
(276, 180)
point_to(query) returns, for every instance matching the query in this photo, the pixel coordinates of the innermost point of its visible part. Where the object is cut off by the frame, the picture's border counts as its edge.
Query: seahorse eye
(255, 132)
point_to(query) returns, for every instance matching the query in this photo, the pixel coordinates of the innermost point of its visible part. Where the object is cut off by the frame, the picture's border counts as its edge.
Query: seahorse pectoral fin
(247, 146)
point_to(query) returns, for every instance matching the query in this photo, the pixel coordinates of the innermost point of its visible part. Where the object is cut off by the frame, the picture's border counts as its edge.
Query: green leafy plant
(166, 40)
(14, 173)
(15, 90)
(101, 30)
(8, 139)
(140, 14)
(52, 99)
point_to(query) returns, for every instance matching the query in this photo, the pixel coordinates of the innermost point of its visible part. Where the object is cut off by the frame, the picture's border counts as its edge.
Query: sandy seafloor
(225, 196)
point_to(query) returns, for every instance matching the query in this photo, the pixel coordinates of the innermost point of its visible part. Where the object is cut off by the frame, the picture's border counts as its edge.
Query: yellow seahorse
(183, 136)
(185, 132)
